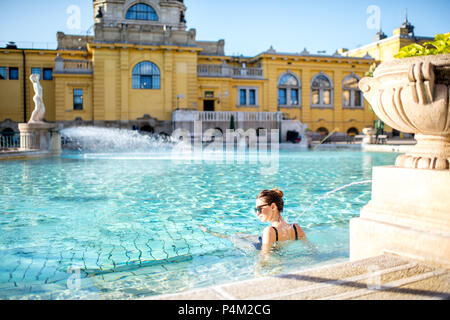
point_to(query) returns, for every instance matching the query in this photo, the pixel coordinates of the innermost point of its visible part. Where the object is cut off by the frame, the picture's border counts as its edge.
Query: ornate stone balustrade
(205, 70)
(28, 141)
(9, 141)
(214, 116)
(73, 66)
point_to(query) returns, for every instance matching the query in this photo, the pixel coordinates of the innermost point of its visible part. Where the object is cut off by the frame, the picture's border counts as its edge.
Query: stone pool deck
(16, 154)
(384, 277)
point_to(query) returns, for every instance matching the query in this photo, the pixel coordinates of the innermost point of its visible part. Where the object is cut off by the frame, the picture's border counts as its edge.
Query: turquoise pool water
(105, 226)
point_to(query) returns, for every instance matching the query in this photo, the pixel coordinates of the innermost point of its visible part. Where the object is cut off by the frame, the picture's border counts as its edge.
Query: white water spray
(95, 139)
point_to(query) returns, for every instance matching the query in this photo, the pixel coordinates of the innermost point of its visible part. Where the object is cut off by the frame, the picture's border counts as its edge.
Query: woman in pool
(269, 205)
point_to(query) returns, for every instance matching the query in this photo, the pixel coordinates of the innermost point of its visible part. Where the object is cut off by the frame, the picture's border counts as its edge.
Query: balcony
(73, 66)
(225, 71)
(215, 116)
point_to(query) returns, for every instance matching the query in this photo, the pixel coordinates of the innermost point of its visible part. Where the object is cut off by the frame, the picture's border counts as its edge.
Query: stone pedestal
(40, 136)
(409, 214)
(369, 136)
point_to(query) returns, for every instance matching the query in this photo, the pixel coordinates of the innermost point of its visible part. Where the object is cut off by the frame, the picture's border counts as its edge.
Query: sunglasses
(259, 209)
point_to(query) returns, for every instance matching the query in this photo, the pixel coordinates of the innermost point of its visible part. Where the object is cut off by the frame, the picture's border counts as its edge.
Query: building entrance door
(208, 105)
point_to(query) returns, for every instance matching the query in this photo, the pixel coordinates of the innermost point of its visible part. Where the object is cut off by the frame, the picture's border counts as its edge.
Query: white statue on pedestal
(39, 110)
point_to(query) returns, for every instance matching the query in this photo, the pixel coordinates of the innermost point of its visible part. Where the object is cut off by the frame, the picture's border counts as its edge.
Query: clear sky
(248, 27)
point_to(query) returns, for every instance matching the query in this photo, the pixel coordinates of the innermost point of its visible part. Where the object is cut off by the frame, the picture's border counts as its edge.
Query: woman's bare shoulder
(269, 235)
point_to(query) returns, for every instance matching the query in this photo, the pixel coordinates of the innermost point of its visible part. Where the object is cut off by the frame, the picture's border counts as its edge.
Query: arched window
(323, 131)
(141, 11)
(7, 132)
(351, 95)
(289, 90)
(352, 131)
(146, 76)
(321, 91)
(147, 128)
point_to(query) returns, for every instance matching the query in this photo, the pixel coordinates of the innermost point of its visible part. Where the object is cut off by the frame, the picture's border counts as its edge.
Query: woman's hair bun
(273, 196)
(279, 192)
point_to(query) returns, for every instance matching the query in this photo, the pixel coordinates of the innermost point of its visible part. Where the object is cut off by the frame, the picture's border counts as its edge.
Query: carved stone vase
(412, 95)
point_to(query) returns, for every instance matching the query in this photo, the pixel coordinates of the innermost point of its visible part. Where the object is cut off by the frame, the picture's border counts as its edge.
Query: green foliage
(370, 74)
(371, 70)
(440, 45)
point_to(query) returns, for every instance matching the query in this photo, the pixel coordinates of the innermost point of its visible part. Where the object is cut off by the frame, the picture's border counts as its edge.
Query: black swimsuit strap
(276, 232)
(296, 235)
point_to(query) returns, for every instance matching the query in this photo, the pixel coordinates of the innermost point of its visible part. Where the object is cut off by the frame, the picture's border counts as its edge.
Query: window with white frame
(321, 91)
(351, 95)
(247, 97)
(289, 90)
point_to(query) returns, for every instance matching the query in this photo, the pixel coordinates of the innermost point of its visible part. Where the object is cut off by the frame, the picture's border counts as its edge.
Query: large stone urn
(412, 95)
(409, 212)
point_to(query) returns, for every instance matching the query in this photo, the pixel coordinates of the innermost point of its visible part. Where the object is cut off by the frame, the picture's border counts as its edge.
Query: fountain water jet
(330, 193)
(97, 139)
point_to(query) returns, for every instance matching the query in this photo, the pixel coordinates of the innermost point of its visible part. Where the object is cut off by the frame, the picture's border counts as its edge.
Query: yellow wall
(11, 91)
(305, 68)
(383, 50)
(64, 86)
(109, 96)
(115, 99)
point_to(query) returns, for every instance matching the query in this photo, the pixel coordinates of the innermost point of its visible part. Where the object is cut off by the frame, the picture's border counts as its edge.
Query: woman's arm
(268, 239)
(216, 234)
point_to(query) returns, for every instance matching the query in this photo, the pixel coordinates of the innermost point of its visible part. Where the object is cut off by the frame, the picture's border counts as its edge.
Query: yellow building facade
(384, 48)
(142, 64)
